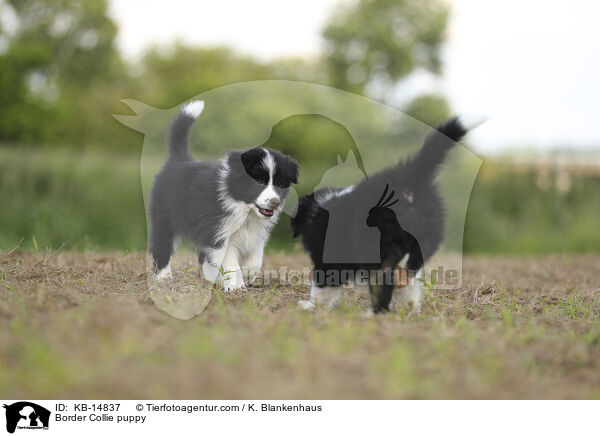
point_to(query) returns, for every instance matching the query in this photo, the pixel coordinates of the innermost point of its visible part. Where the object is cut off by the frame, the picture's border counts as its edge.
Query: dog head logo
(26, 415)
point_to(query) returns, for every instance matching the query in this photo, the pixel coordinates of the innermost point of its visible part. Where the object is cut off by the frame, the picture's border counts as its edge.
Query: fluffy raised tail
(180, 130)
(425, 163)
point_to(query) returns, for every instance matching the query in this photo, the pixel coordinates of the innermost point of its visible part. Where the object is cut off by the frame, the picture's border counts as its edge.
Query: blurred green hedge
(93, 201)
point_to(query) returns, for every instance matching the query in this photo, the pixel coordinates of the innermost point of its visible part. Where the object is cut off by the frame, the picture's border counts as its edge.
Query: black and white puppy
(398, 212)
(227, 209)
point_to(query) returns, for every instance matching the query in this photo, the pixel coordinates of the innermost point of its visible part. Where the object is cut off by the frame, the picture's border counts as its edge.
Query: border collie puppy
(358, 235)
(227, 209)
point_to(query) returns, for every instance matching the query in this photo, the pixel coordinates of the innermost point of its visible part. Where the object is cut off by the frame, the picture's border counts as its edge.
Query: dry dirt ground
(84, 326)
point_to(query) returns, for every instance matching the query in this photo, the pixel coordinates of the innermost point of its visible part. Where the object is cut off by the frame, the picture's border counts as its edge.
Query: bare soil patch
(78, 325)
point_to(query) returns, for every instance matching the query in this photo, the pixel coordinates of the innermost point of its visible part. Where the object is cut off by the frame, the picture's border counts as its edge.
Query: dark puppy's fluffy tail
(180, 130)
(425, 163)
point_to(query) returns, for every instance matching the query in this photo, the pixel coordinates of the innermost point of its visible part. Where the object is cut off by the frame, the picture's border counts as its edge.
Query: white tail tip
(193, 109)
(470, 121)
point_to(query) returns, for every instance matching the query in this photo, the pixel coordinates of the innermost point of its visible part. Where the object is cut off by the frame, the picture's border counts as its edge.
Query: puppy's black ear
(251, 158)
(294, 169)
(287, 168)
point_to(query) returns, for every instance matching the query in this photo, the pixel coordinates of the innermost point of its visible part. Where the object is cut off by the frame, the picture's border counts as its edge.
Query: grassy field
(78, 325)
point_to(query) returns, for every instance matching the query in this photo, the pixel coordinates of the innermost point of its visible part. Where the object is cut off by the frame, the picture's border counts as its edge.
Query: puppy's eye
(262, 181)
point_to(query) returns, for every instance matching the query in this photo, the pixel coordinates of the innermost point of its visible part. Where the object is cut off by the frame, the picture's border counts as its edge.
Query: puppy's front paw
(234, 283)
(232, 279)
(229, 286)
(306, 305)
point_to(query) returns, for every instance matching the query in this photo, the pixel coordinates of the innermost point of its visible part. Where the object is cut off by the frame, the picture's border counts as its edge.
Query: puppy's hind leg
(211, 260)
(381, 288)
(382, 282)
(161, 247)
(412, 293)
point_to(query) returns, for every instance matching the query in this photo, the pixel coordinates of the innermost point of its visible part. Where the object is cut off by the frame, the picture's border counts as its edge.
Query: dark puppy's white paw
(306, 305)
(368, 313)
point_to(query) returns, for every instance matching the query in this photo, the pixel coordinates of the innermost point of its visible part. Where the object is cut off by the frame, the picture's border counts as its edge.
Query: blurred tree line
(61, 76)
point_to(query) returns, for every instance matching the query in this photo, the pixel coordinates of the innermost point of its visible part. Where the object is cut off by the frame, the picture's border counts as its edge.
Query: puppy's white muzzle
(267, 202)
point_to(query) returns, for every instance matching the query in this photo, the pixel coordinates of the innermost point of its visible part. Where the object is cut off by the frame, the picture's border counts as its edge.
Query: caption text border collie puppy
(227, 209)
(411, 225)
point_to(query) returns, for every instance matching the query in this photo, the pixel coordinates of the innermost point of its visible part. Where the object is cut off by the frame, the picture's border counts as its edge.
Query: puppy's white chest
(233, 222)
(250, 235)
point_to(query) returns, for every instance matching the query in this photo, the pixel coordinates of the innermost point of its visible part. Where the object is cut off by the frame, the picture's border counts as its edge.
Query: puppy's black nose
(274, 202)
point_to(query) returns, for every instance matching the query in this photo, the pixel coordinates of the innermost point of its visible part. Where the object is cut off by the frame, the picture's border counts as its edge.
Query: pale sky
(532, 66)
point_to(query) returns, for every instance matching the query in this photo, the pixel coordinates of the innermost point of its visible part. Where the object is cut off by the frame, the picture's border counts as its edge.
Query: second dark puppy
(338, 225)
